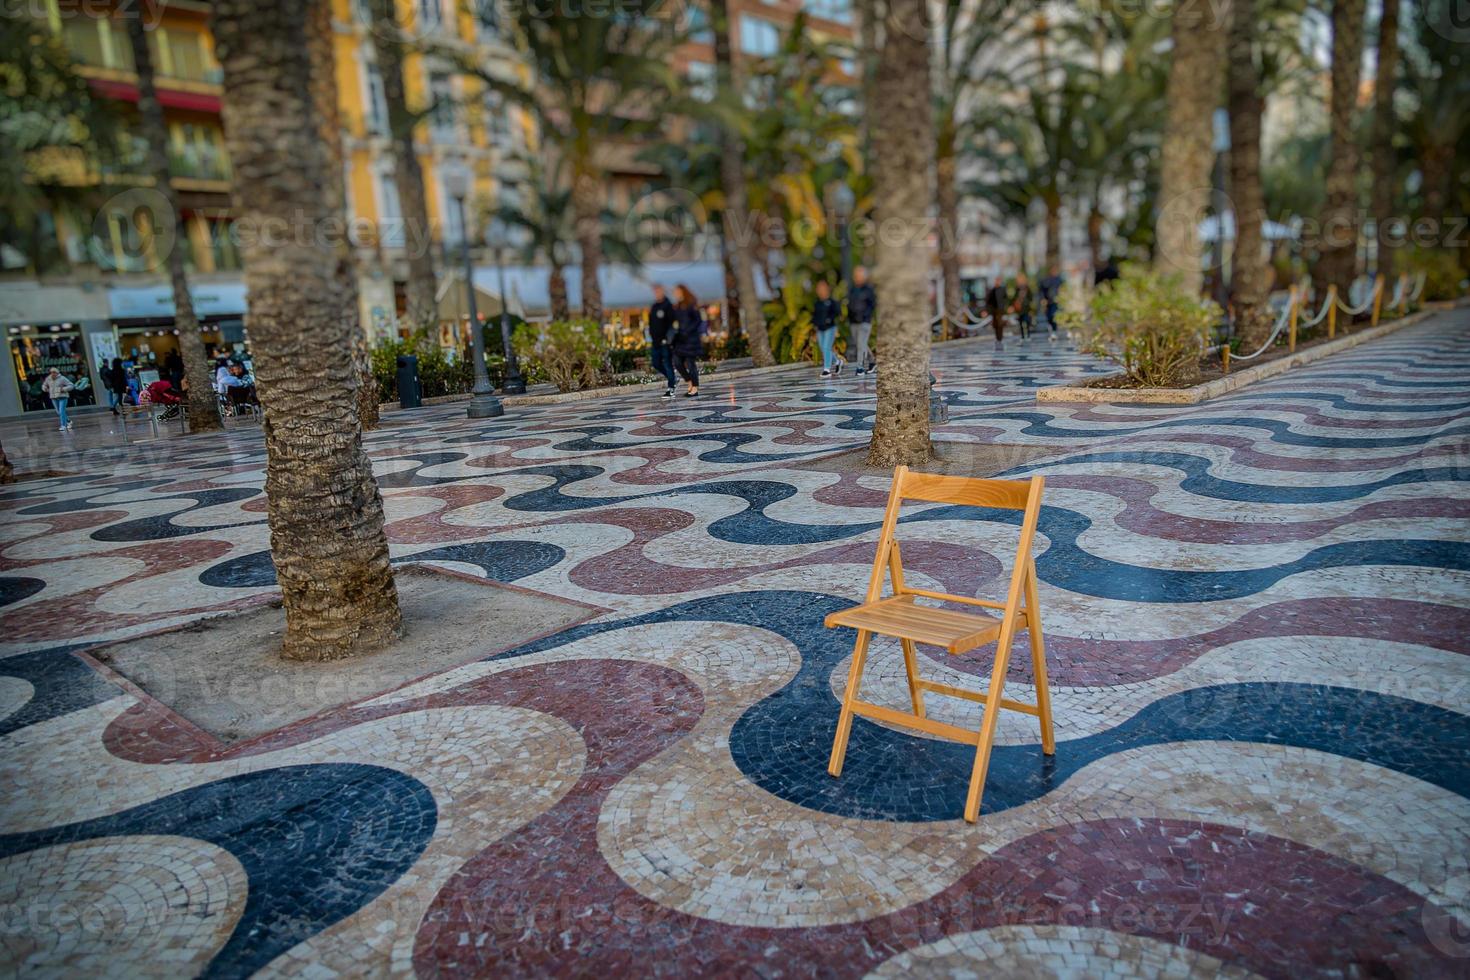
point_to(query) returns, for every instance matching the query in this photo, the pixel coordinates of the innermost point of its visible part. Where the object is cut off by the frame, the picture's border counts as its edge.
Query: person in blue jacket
(661, 337)
(688, 337)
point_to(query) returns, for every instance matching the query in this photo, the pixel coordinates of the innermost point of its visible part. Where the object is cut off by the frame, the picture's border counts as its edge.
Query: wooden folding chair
(901, 616)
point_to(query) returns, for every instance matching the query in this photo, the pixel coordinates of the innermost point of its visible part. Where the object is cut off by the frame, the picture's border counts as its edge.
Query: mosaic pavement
(1257, 628)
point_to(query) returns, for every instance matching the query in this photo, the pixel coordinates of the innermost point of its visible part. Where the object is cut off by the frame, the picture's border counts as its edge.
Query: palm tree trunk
(325, 512)
(1438, 172)
(556, 288)
(203, 403)
(1053, 229)
(1384, 125)
(587, 218)
(1339, 257)
(902, 162)
(737, 218)
(1188, 150)
(947, 203)
(7, 472)
(1094, 235)
(408, 177)
(1251, 275)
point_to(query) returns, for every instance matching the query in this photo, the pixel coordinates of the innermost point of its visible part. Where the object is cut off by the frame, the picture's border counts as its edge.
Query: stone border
(1238, 379)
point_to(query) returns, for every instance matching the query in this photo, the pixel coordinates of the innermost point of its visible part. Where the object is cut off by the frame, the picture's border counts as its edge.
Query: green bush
(571, 354)
(439, 373)
(1443, 276)
(1148, 324)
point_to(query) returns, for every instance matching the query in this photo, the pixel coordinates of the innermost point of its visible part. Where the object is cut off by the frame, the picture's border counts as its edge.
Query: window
(185, 55)
(838, 10)
(759, 37)
(390, 212)
(444, 113)
(701, 80)
(453, 219)
(84, 41)
(487, 17)
(377, 104)
(431, 15)
(223, 245)
(698, 25)
(497, 120)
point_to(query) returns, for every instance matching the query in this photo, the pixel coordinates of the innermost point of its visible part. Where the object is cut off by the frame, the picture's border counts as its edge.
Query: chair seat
(903, 617)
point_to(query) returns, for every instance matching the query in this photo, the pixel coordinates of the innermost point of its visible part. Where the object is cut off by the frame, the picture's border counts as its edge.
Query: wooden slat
(900, 616)
(1010, 494)
(968, 695)
(952, 732)
(947, 597)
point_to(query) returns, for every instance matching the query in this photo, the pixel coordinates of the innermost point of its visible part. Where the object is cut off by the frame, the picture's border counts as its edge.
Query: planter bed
(1220, 384)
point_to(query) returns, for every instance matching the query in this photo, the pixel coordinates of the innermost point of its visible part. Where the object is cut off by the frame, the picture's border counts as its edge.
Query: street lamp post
(496, 235)
(483, 403)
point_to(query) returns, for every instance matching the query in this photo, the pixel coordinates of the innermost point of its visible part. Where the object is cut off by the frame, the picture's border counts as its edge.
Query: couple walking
(826, 312)
(676, 337)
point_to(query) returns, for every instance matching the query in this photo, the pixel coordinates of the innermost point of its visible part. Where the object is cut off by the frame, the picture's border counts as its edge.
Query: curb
(1221, 386)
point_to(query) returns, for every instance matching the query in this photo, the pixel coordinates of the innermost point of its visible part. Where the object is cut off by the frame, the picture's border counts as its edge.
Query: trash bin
(409, 393)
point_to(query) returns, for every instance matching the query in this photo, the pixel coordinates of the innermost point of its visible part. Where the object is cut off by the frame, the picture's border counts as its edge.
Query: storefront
(35, 350)
(143, 328)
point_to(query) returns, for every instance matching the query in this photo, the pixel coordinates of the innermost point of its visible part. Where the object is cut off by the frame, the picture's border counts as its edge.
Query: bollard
(938, 407)
(1377, 297)
(1331, 311)
(1291, 329)
(409, 392)
(1224, 360)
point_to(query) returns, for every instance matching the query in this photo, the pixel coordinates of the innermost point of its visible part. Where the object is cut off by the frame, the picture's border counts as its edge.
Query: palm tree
(1338, 263)
(1250, 279)
(325, 512)
(7, 472)
(1438, 90)
(971, 37)
(389, 48)
(738, 226)
(902, 162)
(543, 212)
(598, 78)
(203, 403)
(1188, 149)
(1385, 126)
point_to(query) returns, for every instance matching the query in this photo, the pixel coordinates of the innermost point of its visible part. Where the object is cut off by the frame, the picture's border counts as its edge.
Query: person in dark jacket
(688, 337)
(661, 337)
(861, 303)
(173, 367)
(1023, 302)
(1051, 291)
(116, 379)
(1108, 273)
(997, 300)
(825, 314)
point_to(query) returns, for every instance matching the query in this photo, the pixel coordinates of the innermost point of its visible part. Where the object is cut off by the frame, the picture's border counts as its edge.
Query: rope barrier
(1275, 331)
(1321, 314)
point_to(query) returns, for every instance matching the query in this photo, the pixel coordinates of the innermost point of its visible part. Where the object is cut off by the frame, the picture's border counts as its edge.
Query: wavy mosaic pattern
(1258, 618)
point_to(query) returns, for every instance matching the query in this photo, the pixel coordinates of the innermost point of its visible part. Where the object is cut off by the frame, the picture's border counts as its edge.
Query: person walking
(997, 299)
(1051, 290)
(58, 388)
(1023, 302)
(862, 301)
(661, 328)
(688, 342)
(1108, 273)
(173, 367)
(825, 313)
(117, 385)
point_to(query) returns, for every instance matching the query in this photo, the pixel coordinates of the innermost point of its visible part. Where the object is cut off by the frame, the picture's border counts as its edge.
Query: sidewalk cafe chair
(901, 616)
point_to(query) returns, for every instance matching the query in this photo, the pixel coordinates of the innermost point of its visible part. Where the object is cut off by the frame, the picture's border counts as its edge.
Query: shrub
(1443, 276)
(573, 354)
(1148, 324)
(439, 372)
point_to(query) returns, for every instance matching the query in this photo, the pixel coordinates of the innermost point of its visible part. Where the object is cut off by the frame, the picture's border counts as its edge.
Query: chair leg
(844, 720)
(987, 726)
(1038, 663)
(911, 664)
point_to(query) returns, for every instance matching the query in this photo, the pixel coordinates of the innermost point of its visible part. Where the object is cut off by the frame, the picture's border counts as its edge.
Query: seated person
(239, 386)
(162, 392)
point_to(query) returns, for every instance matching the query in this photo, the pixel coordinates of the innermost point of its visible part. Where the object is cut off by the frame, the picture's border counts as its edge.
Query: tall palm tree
(1195, 76)
(598, 78)
(1251, 275)
(203, 403)
(903, 159)
(1338, 263)
(1438, 119)
(389, 48)
(325, 512)
(543, 213)
(1385, 125)
(739, 227)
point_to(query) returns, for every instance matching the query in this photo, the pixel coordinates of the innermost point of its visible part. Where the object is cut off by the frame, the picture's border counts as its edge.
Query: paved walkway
(1257, 625)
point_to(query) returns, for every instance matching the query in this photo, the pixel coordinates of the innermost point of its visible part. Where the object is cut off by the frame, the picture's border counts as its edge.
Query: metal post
(1331, 311)
(513, 384)
(483, 403)
(1377, 298)
(1295, 309)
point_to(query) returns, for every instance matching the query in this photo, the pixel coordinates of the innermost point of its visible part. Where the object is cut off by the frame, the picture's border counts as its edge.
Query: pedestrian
(173, 366)
(688, 337)
(58, 388)
(117, 385)
(861, 304)
(661, 338)
(162, 392)
(825, 313)
(1051, 290)
(1023, 302)
(1108, 273)
(997, 299)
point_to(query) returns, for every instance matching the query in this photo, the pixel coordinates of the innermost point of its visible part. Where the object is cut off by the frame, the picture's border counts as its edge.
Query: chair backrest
(1022, 495)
